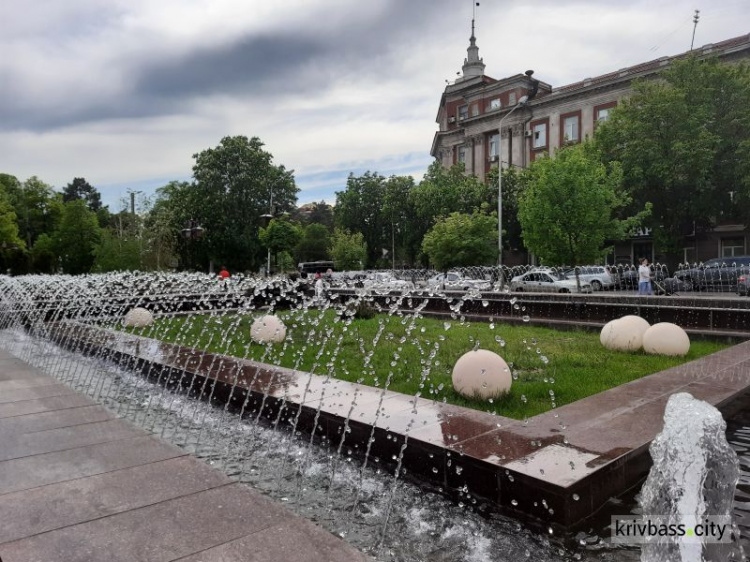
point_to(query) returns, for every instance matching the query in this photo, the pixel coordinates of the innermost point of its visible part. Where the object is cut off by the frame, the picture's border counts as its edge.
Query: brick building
(484, 121)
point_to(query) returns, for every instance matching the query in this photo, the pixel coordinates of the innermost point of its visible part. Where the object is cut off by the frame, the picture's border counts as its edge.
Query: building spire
(473, 65)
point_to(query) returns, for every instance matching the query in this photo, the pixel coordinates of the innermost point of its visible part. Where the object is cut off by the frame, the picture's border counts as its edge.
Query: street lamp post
(192, 231)
(520, 103)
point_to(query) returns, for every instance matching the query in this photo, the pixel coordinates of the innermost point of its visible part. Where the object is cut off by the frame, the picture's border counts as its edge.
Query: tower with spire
(473, 65)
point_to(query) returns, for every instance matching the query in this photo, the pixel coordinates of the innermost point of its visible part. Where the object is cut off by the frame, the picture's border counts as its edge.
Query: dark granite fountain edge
(520, 467)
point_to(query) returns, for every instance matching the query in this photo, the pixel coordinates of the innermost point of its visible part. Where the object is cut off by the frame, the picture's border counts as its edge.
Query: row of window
(463, 110)
(570, 126)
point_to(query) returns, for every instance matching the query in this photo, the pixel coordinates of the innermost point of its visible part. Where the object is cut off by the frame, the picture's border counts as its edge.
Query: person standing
(644, 278)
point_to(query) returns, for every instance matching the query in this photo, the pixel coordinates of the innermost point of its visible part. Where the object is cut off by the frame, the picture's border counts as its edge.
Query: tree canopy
(235, 183)
(348, 250)
(684, 144)
(462, 239)
(567, 209)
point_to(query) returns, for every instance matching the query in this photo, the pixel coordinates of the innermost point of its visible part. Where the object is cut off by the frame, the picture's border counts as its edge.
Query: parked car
(384, 281)
(547, 282)
(718, 274)
(457, 281)
(597, 275)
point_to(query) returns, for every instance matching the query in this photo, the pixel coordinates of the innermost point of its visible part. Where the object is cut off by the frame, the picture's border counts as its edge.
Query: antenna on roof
(473, 15)
(696, 17)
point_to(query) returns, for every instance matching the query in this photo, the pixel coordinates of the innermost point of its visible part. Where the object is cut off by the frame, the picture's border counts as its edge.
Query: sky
(125, 92)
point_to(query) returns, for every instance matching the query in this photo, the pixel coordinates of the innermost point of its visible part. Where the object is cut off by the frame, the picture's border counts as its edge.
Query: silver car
(546, 282)
(596, 275)
(456, 281)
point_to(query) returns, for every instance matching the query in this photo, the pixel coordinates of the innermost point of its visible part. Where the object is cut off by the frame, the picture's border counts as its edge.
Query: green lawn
(416, 355)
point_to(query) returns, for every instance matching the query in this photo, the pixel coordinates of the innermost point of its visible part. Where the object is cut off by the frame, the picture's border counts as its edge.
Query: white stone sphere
(481, 374)
(666, 338)
(624, 334)
(138, 318)
(268, 329)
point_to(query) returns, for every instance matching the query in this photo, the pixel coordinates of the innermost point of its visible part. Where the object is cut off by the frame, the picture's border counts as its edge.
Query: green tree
(399, 218)
(684, 145)
(43, 254)
(313, 246)
(235, 183)
(359, 208)
(165, 218)
(76, 237)
(11, 244)
(281, 235)
(115, 253)
(348, 250)
(567, 209)
(462, 239)
(513, 185)
(442, 192)
(79, 188)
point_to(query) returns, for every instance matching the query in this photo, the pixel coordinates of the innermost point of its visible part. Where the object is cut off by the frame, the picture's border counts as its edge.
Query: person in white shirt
(644, 278)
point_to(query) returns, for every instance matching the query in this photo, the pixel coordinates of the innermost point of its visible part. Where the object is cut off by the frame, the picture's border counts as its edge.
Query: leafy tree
(79, 188)
(37, 206)
(43, 255)
(76, 237)
(162, 224)
(281, 235)
(399, 218)
(442, 192)
(234, 185)
(359, 208)
(684, 145)
(314, 213)
(567, 209)
(313, 246)
(462, 239)
(115, 253)
(513, 185)
(10, 242)
(348, 250)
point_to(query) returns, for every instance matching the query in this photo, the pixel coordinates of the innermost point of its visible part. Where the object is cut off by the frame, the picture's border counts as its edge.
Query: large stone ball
(624, 334)
(268, 329)
(138, 318)
(666, 338)
(481, 374)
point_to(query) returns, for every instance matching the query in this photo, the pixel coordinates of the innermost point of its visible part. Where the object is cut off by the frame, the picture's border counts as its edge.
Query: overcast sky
(124, 92)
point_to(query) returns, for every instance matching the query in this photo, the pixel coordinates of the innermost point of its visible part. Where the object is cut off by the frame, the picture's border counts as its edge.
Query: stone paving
(79, 485)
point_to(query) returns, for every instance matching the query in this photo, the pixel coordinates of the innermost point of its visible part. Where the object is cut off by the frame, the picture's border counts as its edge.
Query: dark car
(718, 274)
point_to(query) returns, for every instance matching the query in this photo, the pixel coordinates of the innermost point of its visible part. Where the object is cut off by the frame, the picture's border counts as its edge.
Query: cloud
(124, 92)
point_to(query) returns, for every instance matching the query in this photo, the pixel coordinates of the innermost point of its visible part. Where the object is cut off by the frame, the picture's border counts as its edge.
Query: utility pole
(696, 17)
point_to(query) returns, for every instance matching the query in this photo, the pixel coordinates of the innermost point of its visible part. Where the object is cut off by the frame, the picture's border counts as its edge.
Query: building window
(512, 98)
(570, 128)
(495, 104)
(463, 112)
(603, 114)
(540, 135)
(494, 146)
(731, 247)
(475, 110)
(462, 154)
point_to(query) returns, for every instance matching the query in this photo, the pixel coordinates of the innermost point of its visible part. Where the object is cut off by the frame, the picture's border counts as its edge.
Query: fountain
(344, 454)
(692, 483)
